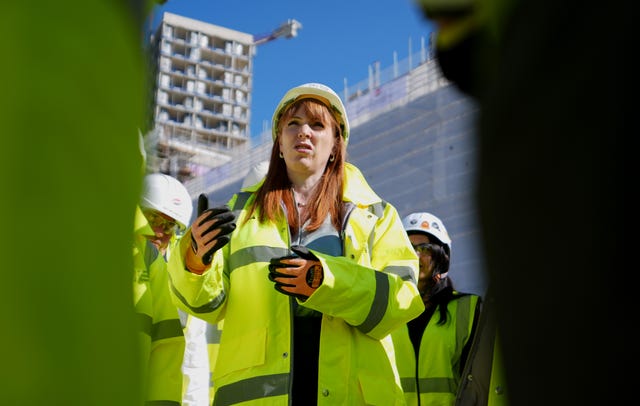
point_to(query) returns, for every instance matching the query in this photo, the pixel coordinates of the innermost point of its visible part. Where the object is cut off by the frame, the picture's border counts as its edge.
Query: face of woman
(306, 143)
(425, 276)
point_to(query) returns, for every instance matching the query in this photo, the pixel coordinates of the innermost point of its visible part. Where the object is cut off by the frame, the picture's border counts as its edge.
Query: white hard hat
(427, 223)
(255, 174)
(168, 196)
(319, 92)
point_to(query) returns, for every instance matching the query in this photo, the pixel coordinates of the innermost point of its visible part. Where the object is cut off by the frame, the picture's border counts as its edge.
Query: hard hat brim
(315, 91)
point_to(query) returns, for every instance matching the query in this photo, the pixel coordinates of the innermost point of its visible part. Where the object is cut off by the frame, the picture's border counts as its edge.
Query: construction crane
(288, 29)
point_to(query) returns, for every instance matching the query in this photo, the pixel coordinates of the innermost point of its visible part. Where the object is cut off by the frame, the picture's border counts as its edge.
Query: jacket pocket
(379, 390)
(241, 351)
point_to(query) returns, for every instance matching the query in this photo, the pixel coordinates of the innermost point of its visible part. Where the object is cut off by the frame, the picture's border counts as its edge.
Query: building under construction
(202, 93)
(202, 84)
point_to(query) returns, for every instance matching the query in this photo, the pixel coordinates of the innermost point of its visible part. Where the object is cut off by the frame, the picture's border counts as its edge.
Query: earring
(280, 155)
(332, 158)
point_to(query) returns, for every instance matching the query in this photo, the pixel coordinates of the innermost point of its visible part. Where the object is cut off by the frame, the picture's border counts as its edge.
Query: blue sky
(339, 39)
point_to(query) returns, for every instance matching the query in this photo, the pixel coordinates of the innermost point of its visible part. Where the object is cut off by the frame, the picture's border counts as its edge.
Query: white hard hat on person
(427, 223)
(167, 195)
(316, 91)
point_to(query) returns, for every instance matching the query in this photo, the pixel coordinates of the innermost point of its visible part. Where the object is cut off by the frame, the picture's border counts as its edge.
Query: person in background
(166, 206)
(196, 364)
(142, 296)
(310, 270)
(440, 338)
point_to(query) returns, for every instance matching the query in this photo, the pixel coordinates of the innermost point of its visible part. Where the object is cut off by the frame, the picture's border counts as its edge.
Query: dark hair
(444, 291)
(439, 256)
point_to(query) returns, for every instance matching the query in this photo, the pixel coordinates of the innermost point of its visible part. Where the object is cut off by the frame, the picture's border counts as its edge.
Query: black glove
(209, 232)
(297, 275)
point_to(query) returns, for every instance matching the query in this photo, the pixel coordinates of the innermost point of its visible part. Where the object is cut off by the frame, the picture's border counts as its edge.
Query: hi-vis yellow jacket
(366, 294)
(439, 355)
(161, 337)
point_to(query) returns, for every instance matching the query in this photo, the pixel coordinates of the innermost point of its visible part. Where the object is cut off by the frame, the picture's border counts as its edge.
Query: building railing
(378, 77)
(385, 89)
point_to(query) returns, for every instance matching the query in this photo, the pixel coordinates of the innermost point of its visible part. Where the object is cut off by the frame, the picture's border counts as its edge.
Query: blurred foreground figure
(71, 175)
(552, 80)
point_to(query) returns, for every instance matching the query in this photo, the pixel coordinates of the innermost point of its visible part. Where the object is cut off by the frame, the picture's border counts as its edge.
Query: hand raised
(209, 232)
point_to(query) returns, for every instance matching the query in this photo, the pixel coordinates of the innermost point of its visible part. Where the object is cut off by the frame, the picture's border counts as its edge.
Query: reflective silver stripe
(252, 388)
(144, 323)
(378, 208)
(404, 272)
(462, 320)
(241, 200)
(256, 253)
(213, 334)
(379, 305)
(166, 329)
(206, 308)
(370, 243)
(408, 384)
(239, 258)
(430, 385)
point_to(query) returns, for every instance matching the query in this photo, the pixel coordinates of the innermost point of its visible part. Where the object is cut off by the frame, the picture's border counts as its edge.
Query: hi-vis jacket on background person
(446, 355)
(361, 303)
(161, 336)
(441, 348)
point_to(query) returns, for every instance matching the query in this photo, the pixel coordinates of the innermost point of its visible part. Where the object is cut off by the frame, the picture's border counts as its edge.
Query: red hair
(327, 196)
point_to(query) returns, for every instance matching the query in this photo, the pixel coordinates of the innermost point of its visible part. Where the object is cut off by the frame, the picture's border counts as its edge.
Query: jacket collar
(356, 189)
